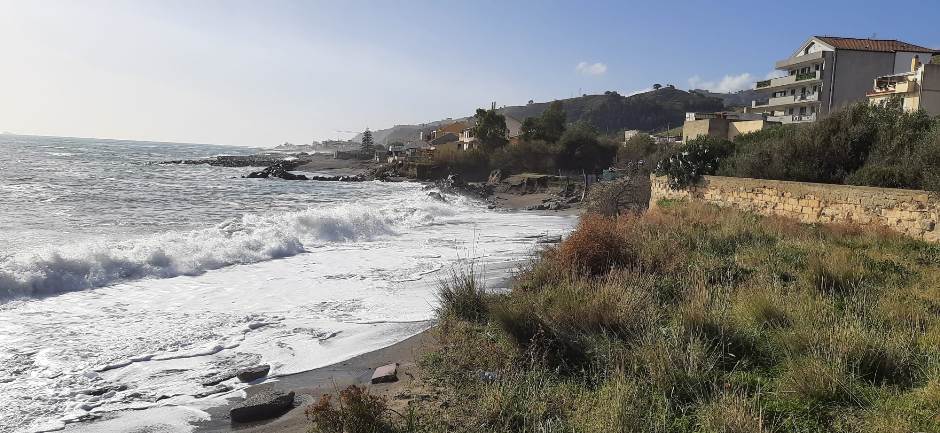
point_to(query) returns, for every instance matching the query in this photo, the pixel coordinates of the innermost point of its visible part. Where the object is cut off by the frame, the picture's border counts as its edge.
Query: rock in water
(253, 373)
(264, 405)
(385, 374)
(437, 196)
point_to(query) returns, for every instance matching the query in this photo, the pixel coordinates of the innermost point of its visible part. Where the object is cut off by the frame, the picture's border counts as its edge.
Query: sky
(259, 73)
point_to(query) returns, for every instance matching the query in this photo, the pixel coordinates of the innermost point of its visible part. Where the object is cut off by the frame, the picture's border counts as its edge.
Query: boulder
(253, 373)
(437, 196)
(263, 405)
(385, 374)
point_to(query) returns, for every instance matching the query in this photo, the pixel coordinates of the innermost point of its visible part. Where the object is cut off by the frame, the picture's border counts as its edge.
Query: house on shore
(913, 90)
(513, 131)
(828, 72)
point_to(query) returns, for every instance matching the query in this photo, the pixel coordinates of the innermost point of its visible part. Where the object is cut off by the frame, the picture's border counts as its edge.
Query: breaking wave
(249, 239)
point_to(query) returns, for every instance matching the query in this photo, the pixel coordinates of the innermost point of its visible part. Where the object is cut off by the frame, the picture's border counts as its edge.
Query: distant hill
(741, 98)
(650, 111)
(656, 110)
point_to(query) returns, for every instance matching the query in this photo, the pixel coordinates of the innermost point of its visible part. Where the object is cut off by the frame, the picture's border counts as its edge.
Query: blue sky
(260, 73)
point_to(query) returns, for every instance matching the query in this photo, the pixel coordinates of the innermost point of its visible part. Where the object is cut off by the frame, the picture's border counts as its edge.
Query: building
(913, 90)
(827, 73)
(724, 125)
(513, 131)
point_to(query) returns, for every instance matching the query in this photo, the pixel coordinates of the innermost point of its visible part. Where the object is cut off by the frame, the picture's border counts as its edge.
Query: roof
(455, 127)
(881, 45)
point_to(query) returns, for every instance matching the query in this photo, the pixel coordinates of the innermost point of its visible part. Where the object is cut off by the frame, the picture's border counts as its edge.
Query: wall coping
(791, 184)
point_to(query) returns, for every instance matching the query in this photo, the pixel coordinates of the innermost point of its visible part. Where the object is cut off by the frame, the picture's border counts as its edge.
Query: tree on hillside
(368, 144)
(490, 128)
(549, 126)
(580, 149)
(657, 86)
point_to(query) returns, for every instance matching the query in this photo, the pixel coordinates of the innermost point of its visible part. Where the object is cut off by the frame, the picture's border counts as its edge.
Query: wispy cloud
(775, 74)
(728, 84)
(585, 68)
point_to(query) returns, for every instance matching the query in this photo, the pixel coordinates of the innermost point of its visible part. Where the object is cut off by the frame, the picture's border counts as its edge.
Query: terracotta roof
(883, 45)
(455, 127)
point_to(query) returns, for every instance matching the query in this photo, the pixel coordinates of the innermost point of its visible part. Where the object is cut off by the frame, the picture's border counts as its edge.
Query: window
(817, 67)
(815, 89)
(792, 92)
(802, 111)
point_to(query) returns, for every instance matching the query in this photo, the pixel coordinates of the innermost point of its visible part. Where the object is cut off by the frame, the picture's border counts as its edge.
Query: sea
(126, 285)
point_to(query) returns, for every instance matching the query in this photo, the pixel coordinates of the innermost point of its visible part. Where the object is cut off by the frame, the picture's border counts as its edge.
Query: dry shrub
(597, 245)
(357, 412)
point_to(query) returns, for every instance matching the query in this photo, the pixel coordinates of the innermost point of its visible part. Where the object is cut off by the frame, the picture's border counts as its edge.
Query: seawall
(911, 212)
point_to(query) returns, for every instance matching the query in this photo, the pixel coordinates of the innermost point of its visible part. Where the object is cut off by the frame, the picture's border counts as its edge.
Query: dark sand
(310, 385)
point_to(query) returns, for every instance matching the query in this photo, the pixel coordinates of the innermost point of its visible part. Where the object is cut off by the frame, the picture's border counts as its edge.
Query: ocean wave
(250, 238)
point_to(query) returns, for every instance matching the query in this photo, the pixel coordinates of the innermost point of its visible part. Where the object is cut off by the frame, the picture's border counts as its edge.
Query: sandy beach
(309, 386)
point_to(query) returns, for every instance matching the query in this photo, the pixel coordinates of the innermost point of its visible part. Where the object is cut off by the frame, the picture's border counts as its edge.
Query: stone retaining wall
(912, 212)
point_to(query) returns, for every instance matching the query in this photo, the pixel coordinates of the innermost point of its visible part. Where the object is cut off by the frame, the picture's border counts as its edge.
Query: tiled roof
(883, 45)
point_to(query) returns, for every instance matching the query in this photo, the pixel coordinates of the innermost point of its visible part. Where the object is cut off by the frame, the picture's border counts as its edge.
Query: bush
(526, 157)
(462, 296)
(697, 158)
(860, 145)
(472, 164)
(357, 412)
(580, 149)
(596, 246)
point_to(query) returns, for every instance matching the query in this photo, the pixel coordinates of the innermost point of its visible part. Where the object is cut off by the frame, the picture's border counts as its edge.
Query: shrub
(471, 164)
(595, 247)
(526, 156)
(462, 296)
(699, 157)
(357, 412)
(580, 149)
(860, 145)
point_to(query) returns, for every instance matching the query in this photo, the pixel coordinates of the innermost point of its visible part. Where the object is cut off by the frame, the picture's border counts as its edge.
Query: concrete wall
(854, 73)
(692, 129)
(930, 90)
(746, 126)
(911, 212)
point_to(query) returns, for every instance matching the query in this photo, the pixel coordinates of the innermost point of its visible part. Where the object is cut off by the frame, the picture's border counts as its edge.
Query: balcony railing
(807, 76)
(788, 80)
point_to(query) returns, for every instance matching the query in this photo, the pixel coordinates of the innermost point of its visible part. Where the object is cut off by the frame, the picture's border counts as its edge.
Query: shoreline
(310, 385)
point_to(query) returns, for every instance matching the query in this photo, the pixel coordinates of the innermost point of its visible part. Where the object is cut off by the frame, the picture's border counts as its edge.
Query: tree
(490, 128)
(657, 86)
(368, 144)
(580, 149)
(549, 126)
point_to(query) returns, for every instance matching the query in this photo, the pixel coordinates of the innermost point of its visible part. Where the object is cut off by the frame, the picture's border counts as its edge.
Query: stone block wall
(912, 212)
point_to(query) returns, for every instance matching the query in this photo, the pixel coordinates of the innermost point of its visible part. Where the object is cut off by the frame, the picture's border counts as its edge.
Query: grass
(690, 319)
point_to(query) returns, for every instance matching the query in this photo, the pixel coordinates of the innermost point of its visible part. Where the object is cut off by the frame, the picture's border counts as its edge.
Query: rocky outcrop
(264, 405)
(280, 169)
(260, 160)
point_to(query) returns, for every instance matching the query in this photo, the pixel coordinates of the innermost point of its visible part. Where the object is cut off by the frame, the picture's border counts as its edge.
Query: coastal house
(913, 90)
(828, 72)
(724, 125)
(513, 131)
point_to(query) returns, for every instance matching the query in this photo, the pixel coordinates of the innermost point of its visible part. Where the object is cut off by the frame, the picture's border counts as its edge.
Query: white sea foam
(249, 239)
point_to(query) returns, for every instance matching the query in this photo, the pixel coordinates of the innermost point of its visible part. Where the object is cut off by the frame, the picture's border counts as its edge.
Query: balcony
(792, 62)
(792, 118)
(797, 99)
(789, 80)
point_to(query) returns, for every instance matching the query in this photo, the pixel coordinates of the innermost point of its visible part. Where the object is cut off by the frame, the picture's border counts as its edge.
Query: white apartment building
(829, 72)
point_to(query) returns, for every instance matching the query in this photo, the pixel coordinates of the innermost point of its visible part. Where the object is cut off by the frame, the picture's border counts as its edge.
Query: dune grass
(691, 318)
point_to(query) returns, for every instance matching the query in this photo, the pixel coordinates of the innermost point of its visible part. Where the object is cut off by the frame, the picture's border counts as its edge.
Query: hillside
(650, 111)
(655, 110)
(741, 98)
